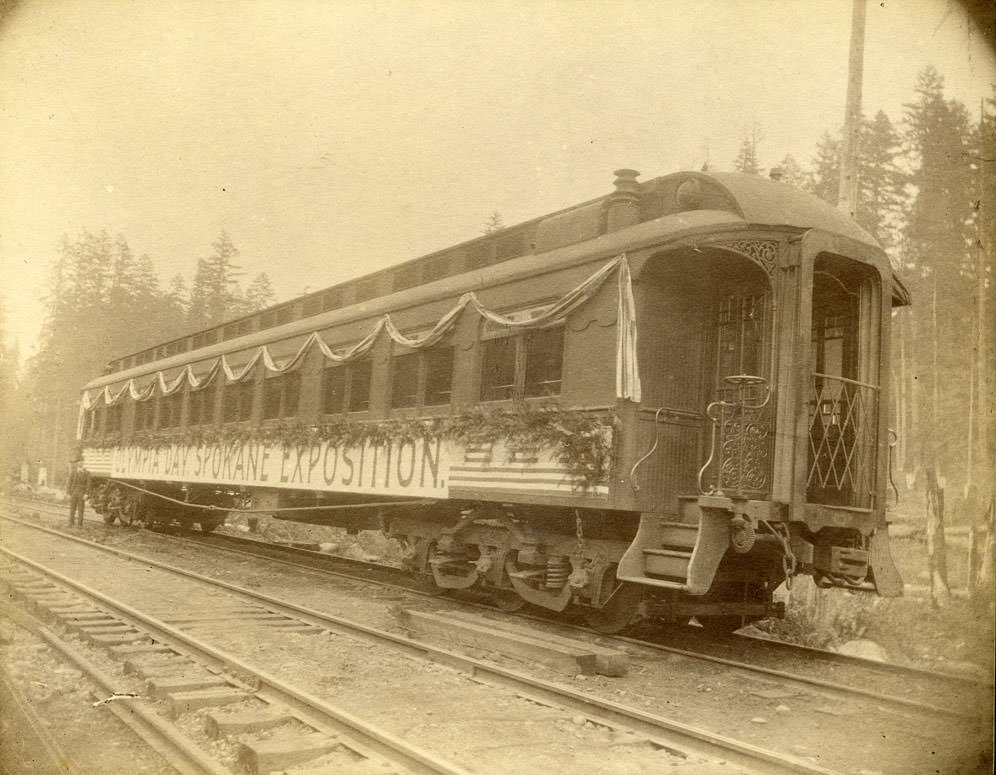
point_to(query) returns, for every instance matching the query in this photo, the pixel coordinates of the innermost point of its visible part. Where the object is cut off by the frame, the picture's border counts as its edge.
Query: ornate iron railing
(741, 438)
(843, 423)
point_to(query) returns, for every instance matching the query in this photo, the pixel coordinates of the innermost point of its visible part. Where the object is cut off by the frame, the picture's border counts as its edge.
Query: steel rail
(268, 549)
(309, 708)
(811, 681)
(47, 756)
(893, 668)
(824, 655)
(665, 733)
(161, 735)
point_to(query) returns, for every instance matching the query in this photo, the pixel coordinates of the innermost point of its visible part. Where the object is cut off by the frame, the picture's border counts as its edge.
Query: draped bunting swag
(627, 373)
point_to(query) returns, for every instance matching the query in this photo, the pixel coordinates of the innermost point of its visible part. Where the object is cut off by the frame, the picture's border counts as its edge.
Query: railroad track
(901, 687)
(34, 748)
(883, 683)
(660, 732)
(175, 669)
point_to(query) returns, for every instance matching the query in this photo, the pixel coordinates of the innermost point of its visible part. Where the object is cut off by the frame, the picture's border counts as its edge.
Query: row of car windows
(528, 365)
(507, 244)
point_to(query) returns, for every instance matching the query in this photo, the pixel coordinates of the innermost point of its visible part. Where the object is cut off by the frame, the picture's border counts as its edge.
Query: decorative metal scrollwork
(764, 253)
(741, 437)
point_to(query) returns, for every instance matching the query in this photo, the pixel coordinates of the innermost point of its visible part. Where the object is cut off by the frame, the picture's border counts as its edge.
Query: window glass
(544, 362)
(332, 299)
(359, 385)
(247, 389)
(272, 390)
(202, 406)
(365, 289)
(169, 411)
(89, 418)
(438, 376)
(404, 381)
(334, 390)
(498, 369)
(114, 418)
(230, 403)
(292, 393)
(195, 405)
(143, 414)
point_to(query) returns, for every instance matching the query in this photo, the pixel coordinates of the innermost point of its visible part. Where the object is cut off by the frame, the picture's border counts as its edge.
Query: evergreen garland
(583, 440)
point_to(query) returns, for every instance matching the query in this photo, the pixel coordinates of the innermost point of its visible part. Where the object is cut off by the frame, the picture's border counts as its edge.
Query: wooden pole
(847, 191)
(940, 592)
(986, 252)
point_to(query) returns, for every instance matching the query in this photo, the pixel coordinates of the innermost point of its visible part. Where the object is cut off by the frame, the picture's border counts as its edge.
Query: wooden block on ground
(559, 653)
(33, 585)
(179, 666)
(218, 723)
(119, 639)
(102, 628)
(97, 636)
(77, 625)
(42, 603)
(73, 613)
(264, 756)
(142, 648)
(186, 702)
(162, 685)
(47, 600)
(300, 628)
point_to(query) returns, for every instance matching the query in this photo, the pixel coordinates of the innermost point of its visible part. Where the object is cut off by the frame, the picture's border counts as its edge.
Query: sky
(330, 138)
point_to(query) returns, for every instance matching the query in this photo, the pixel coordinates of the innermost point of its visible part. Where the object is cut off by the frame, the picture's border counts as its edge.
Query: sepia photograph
(440, 387)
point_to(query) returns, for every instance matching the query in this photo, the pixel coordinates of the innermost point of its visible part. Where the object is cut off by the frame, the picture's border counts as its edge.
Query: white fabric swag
(627, 372)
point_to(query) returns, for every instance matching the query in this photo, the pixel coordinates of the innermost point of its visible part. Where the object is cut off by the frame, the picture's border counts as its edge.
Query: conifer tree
(789, 171)
(214, 295)
(881, 183)
(494, 223)
(747, 158)
(259, 293)
(941, 268)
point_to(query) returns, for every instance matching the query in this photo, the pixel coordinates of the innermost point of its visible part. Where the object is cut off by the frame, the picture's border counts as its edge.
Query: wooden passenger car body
(725, 337)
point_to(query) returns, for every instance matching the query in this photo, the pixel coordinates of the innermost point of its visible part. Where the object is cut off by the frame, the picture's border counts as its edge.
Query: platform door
(844, 390)
(740, 406)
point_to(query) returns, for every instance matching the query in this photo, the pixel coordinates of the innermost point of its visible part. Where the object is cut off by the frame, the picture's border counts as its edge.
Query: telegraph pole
(847, 192)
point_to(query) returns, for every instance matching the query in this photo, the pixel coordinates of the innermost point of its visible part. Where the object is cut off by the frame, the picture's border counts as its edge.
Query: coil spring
(558, 569)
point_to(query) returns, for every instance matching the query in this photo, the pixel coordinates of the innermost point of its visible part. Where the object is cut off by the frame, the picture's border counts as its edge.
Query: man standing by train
(79, 481)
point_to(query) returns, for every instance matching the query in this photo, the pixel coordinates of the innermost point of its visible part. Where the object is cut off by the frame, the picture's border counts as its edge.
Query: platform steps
(669, 560)
(660, 553)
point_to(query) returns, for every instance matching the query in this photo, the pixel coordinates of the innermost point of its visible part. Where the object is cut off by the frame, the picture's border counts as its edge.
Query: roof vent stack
(624, 202)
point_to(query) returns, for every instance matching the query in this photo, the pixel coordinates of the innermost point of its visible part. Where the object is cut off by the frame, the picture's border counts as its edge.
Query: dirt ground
(909, 630)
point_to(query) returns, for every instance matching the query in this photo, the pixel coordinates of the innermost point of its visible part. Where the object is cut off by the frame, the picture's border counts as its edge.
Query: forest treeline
(927, 191)
(104, 301)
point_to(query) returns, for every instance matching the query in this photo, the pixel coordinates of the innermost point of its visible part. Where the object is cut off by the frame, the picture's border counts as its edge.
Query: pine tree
(259, 293)
(747, 159)
(494, 223)
(12, 425)
(177, 298)
(789, 171)
(824, 180)
(881, 183)
(941, 269)
(214, 295)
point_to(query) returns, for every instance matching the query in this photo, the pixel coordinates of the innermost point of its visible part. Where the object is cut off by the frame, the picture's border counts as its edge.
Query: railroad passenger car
(663, 402)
